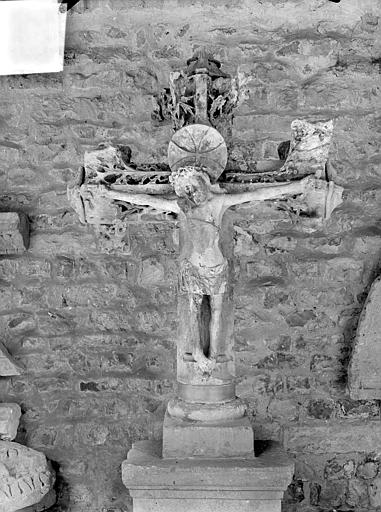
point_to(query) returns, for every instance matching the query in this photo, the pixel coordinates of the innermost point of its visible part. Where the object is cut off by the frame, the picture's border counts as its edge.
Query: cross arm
(321, 197)
(159, 203)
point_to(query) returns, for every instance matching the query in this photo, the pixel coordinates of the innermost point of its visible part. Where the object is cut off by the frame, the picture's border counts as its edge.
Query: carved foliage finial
(201, 93)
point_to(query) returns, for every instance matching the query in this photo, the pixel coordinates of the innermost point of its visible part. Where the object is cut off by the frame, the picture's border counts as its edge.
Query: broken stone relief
(26, 477)
(205, 421)
(14, 233)
(364, 373)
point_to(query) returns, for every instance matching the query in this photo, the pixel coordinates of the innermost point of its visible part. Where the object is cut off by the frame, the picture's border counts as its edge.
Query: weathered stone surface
(14, 233)
(224, 485)
(8, 366)
(365, 367)
(26, 477)
(10, 415)
(334, 437)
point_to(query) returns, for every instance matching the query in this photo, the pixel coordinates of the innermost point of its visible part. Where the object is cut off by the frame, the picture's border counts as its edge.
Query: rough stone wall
(96, 331)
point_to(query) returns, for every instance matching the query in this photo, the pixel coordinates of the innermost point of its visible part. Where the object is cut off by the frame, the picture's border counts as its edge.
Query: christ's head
(191, 183)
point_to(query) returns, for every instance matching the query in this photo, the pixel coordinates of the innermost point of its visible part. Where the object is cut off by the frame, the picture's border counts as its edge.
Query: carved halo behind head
(198, 146)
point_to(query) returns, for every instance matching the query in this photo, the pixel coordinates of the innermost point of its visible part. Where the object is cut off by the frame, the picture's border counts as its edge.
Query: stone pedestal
(205, 485)
(232, 438)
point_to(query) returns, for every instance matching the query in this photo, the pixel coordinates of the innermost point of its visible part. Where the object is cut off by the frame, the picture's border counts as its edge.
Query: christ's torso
(200, 229)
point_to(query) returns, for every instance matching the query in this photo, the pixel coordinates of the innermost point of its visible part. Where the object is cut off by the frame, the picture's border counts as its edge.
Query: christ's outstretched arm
(168, 205)
(271, 191)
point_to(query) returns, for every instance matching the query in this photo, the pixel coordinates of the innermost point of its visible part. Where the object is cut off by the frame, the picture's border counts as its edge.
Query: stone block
(205, 485)
(365, 367)
(9, 421)
(334, 437)
(14, 233)
(230, 438)
(8, 366)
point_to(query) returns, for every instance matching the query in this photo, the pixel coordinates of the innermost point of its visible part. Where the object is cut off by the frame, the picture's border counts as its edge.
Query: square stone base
(205, 485)
(184, 439)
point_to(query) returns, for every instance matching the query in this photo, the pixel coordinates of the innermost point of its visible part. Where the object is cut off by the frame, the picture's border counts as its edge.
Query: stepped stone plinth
(205, 485)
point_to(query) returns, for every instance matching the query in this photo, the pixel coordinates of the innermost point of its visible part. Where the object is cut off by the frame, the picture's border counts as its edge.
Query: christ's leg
(216, 330)
(200, 326)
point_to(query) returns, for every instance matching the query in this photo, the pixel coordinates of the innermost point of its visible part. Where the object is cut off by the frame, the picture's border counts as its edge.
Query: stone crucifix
(196, 189)
(197, 156)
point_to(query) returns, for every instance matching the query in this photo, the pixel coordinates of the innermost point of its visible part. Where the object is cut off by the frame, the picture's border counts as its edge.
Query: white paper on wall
(32, 36)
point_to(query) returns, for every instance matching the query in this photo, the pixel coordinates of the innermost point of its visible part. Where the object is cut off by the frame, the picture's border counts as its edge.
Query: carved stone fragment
(25, 477)
(201, 93)
(365, 366)
(8, 366)
(309, 147)
(14, 232)
(110, 165)
(9, 421)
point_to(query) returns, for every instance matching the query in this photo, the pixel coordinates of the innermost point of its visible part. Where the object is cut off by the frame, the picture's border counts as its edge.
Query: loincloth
(203, 280)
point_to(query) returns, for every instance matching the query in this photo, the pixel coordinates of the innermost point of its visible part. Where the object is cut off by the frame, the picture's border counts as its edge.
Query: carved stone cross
(196, 189)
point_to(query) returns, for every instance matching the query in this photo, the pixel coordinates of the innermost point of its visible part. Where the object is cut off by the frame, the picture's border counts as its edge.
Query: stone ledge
(339, 437)
(145, 469)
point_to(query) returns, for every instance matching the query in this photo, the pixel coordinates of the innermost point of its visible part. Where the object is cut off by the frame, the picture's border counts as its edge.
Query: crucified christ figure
(204, 283)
